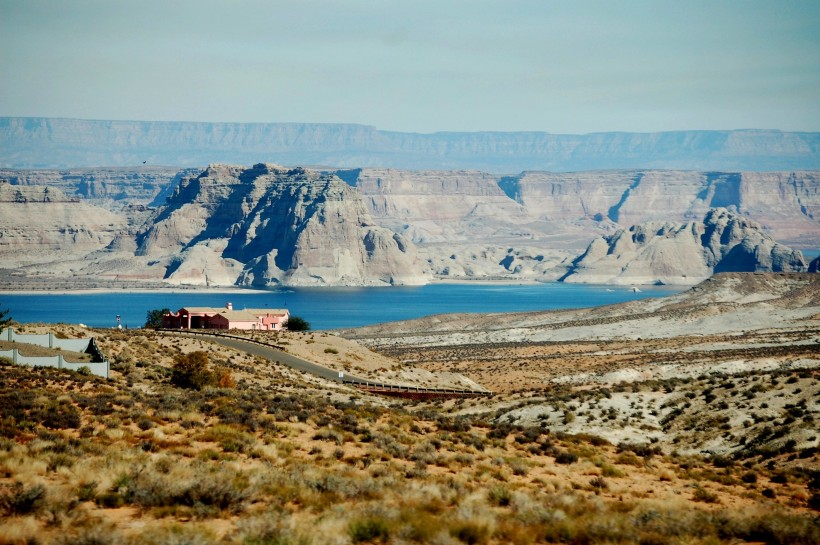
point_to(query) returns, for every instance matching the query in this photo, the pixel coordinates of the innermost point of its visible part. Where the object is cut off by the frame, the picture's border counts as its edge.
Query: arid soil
(691, 419)
(735, 322)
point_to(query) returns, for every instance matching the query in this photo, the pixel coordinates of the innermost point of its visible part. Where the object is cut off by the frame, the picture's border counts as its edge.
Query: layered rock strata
(41, 225)
(269, 225)
(674, 253)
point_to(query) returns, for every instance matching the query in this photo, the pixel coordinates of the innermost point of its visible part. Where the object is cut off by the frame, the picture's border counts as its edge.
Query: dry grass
(282, 458)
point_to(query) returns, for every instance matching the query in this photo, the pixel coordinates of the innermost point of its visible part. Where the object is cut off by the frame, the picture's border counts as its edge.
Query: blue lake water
(325, 308)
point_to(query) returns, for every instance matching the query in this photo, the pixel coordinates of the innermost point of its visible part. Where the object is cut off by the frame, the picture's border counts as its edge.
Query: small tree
(296, 323)
(192, 370)
(5, 319)
(153, 318)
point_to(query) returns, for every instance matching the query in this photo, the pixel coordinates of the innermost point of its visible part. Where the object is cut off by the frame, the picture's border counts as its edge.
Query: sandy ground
(732, 323)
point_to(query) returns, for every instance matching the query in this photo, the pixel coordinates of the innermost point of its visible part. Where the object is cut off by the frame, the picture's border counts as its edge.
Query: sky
(570, 67)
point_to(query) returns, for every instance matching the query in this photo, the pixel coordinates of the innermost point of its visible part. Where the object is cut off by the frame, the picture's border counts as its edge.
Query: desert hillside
(644, 422)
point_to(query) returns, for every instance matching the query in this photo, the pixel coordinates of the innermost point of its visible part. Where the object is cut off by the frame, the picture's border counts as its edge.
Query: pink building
(261, 319)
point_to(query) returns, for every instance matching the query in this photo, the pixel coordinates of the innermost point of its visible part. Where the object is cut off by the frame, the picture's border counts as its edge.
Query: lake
(325, 308)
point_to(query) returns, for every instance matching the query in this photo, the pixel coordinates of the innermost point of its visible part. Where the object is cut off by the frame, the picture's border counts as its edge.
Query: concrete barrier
(99, 366)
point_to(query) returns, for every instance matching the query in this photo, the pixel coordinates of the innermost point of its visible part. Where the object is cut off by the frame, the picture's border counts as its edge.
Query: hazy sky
(418, 65)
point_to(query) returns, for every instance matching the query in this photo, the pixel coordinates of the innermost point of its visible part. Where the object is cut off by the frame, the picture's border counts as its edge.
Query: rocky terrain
(49, 142)
(668, 253)
(733, 325)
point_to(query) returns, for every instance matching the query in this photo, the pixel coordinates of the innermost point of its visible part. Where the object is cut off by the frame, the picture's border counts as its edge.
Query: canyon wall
(268, 225)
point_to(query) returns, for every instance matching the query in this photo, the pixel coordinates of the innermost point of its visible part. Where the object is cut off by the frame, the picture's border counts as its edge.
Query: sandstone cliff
(787, 204)
(674, 253)
(269, 225)
(108, 187)
(49, 142)
(461, 224)
(42, 224)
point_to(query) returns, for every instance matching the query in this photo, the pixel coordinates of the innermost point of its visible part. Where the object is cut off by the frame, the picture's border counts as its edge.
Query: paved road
(284, 358)
(279, 356)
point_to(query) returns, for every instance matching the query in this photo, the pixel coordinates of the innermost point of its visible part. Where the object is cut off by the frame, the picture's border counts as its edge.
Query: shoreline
(125, 289)
(54, 290)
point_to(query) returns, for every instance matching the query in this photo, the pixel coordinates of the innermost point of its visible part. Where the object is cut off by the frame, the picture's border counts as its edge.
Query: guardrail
(381, 388)
(223, 335)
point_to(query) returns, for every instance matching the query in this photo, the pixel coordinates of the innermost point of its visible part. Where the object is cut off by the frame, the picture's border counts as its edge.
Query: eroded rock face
(40, 224)
(671, 253)
(107, 187)
(786, 203)
(268, 225)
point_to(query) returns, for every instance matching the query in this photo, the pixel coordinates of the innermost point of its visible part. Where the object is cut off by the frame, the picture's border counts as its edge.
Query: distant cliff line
(63, 143)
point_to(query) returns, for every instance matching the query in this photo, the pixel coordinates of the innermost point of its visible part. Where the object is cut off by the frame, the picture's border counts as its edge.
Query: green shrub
(368, 529)
(499, 495)
(566, 457)
(19, 500)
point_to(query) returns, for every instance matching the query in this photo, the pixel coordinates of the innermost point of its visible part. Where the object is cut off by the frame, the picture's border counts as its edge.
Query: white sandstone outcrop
(671, 253)
(269, 225)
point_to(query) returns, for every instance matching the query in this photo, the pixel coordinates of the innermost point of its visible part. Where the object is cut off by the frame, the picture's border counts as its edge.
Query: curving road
(277, 355)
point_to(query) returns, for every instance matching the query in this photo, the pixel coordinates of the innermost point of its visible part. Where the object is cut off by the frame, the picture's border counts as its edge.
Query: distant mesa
(683, 253)
(40, 142)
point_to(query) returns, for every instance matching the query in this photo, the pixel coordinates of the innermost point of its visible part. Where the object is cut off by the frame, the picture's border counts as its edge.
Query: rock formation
(41, 225)
(269, 225)
(673, 253)
(109, 187)
(460, 224)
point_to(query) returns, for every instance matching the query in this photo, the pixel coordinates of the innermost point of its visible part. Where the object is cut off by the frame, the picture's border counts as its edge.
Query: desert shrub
(501, 430)
(214, 488)
(611, 471)
(701, 494)
(368, 529)
(470, 532)
(331, 351)
(192, 371)
(228, 437)
(565, 457)
(21, 500)
(519, 468)
(749, 477)
(223, 378)
(499, 495)
(327, 434)
(61, 416)
(598, 483)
